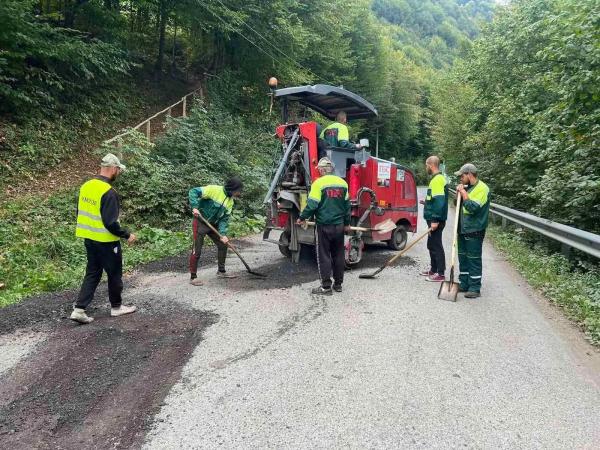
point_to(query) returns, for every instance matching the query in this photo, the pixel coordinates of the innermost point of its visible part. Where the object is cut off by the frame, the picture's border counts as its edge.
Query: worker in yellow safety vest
(98, 225)
(337, 134)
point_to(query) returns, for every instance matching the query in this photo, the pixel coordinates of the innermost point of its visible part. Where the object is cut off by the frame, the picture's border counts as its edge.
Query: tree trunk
(162, 25)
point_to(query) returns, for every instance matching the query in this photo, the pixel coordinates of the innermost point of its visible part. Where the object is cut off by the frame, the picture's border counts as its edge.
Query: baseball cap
(467, 168)
(111, 160)
(325, 162)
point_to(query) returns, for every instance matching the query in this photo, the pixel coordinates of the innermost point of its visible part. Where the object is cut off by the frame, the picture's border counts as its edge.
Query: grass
(574, 287)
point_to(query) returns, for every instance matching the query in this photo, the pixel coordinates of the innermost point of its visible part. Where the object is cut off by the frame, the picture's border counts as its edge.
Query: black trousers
(330, 254)
(102, 256)
(436, 249)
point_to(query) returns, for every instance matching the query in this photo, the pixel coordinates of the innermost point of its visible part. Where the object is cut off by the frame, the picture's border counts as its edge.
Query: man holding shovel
(473, 221)
(328, 201)
(215, 204)
(436, 213)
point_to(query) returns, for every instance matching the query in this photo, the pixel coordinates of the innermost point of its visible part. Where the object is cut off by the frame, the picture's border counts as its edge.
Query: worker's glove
(434, 226)
(302, 223)
(224, 239)
(131, 239)
(196, 212)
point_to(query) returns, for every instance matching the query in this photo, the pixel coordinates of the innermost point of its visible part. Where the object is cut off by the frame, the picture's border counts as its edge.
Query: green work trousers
(469, 261)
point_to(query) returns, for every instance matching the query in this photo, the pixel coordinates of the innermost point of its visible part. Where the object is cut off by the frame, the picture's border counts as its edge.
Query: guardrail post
(184, 100)
(170, 112)
(148, 129)
(565, 250)
(504, 222)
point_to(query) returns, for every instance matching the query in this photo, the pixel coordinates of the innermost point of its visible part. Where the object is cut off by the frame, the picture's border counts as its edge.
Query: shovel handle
(352, 228)
(406, 249)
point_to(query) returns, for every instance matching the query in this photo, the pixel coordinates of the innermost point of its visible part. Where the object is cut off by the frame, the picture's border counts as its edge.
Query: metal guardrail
(569, 237)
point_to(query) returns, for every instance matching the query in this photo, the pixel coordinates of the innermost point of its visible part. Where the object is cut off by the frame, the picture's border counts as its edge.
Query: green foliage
(531, 112)
(576, 290)
(41, 65)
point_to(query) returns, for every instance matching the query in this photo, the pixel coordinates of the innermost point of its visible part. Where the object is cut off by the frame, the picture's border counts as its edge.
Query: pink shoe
(426, 273)
(436, 278)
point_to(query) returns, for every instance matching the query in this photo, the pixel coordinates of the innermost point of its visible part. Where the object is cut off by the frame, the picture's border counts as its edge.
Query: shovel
(382, 227)
(230, 245)
(394, 258)
(449, 289)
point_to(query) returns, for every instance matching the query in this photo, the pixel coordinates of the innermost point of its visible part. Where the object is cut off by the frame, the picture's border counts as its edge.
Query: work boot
(436, 278)
(196, 282)
(320, 290)
(426, 273)
(471, 294)
(223, 274)
(337, 287)
(122, 310)
(79, 315)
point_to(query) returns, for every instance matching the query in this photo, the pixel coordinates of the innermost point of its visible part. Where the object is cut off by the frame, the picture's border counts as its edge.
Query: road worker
(473, 221)
(98, 224)
(435, 214)
(329, 203)
(215, 204)
(337, 134)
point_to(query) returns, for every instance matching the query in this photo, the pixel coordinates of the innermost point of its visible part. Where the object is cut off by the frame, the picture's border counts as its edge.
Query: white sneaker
(196, 282)
(226, 275)
(79, 315)
(122, 310)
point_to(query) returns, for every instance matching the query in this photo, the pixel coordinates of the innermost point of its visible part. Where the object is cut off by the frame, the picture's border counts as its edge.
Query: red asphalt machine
(380, 190)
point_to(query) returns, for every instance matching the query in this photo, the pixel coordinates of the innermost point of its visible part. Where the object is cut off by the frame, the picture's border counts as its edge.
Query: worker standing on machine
(337, 134)
(329, 203)
(435, 213)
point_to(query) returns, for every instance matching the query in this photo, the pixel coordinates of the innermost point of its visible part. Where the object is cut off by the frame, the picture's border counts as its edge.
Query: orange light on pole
(273, 86)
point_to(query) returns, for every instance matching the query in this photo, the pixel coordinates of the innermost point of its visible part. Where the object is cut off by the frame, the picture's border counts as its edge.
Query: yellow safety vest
(89, 220)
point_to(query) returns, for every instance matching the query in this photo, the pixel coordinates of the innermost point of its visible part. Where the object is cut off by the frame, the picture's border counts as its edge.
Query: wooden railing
(146, 124)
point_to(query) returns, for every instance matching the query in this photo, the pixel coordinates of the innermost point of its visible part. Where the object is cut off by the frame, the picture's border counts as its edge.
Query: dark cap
(467, 168)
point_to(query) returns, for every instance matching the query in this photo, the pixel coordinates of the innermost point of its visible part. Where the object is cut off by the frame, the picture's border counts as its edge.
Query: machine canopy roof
(329, 100)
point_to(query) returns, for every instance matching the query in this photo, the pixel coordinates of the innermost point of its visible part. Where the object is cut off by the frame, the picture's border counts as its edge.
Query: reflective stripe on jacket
(89, 216)
(475, 211)
(214, 205)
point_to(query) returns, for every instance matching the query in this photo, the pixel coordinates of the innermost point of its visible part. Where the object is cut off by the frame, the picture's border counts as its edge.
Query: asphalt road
(382, 365)
(247, 363)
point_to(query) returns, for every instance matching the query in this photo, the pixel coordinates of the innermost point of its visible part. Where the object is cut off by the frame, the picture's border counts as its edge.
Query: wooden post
(184, 100)
(148, 130)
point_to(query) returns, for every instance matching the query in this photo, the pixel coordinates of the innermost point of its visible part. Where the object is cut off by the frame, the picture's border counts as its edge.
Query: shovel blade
(385, 226)
(448, 291)
(368, 276)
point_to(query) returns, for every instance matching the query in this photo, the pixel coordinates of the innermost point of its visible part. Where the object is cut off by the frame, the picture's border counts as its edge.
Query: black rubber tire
(284, 248)
(399, 238)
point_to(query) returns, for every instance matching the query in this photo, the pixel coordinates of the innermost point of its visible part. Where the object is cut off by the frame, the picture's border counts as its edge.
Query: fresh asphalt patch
(97, 385)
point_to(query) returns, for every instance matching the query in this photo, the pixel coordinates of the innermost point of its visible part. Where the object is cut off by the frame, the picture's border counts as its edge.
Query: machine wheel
(284, 242)
(399, 238)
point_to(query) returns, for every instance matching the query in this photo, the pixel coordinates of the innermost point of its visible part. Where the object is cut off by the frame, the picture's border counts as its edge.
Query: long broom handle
(395, 257)
(352, 228)
(456, 217)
